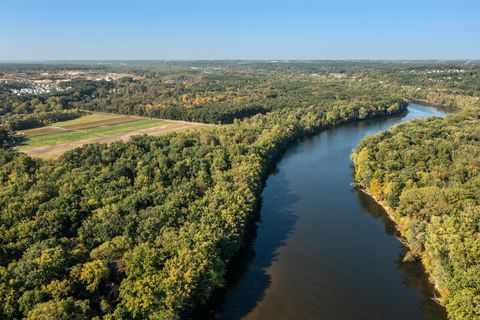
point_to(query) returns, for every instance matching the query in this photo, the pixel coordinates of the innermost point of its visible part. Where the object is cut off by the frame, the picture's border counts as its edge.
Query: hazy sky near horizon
(244, 29)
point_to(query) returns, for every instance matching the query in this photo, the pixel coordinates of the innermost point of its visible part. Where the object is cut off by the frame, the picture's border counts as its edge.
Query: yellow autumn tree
(93, 272)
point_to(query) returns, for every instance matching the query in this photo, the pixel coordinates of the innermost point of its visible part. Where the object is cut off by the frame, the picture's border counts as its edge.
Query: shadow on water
(413, 273)
(414, 278)
(247, 278)
(376, 211)
(305, 256)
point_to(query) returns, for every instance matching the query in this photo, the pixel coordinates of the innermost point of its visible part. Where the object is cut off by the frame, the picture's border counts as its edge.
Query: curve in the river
(318, 253)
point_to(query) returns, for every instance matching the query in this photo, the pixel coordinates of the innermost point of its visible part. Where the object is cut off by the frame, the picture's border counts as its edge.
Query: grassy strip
(88, 133)
(87, 118)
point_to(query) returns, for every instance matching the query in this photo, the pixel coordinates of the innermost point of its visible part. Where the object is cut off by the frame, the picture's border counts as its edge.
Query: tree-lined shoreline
(434, 210)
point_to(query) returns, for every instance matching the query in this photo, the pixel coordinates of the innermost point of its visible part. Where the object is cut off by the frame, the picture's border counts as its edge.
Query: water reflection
(413, 273)
(271, 234)
(318, 254)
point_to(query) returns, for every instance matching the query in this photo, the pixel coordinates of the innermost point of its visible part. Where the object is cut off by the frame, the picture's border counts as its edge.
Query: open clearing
(52, 141)
(87, 121)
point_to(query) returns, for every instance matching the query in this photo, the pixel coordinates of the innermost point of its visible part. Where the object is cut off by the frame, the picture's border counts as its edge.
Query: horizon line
(234, 60)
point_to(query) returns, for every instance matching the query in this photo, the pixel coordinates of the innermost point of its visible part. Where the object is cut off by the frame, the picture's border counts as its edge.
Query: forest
(142, 229)
(145, 229)
(219, 92)
(428, 173)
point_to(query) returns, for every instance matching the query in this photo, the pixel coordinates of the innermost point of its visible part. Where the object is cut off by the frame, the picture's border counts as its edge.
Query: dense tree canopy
(219, 92)
(6, 138)
(142, 229)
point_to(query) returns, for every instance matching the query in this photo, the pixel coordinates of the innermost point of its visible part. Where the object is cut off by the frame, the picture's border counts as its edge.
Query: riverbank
(424, 175)
(239, 262)
(389, 212)
(450, 109)
(302, 243)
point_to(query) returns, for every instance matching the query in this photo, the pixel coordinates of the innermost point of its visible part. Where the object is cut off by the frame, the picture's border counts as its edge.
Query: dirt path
(52, 152)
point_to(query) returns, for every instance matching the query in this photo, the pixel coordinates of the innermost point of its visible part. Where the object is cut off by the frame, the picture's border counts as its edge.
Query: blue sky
(244, 29)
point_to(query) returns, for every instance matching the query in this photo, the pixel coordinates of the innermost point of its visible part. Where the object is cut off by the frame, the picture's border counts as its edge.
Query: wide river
(324, 250)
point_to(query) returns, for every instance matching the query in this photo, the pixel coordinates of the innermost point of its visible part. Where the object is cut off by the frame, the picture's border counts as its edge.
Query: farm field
(52, 141)
(88, 121)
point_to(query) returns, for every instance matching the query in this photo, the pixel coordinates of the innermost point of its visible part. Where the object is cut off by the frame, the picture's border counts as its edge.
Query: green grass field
(55, 138)
(91, 117)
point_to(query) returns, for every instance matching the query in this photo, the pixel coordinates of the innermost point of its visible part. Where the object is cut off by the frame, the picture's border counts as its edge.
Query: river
(324, 250)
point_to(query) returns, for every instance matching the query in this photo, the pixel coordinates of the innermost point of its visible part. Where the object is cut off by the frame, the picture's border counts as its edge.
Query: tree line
(220, 92)
(145, 228)
(428, 173)
(142, 229)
